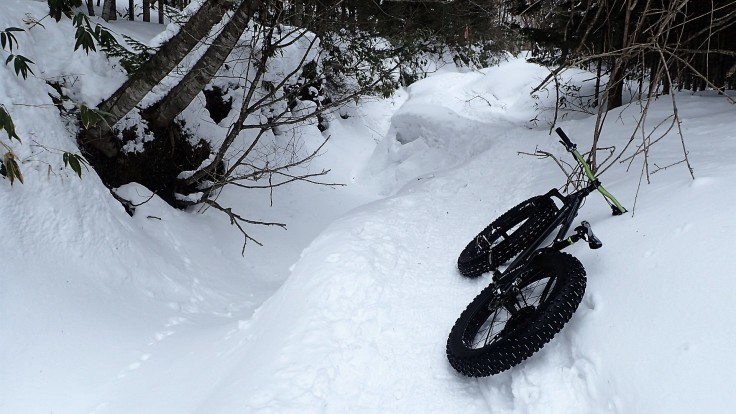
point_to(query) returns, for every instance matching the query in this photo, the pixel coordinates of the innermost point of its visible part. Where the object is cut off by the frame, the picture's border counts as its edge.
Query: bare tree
(262, 147)
(272, 106)
(656, 44)
(180, 96)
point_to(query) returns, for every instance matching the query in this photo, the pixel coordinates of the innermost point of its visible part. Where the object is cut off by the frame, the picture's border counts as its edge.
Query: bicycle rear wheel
(496, 333)
(507, 236)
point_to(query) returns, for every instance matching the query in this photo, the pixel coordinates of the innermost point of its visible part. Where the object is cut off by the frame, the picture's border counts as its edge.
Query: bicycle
(530, 301)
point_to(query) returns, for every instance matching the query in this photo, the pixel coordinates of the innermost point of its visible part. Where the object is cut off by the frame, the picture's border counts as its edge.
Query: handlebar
(565, 140)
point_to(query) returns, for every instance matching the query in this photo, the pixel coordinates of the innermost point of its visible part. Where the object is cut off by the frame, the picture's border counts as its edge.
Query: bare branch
(236, 220)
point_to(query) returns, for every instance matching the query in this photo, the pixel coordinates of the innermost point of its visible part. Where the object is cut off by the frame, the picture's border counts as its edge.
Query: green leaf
(57, 8)
(7, 38)
(12, 170)
(6, 123)
(104, 36)
(75, 162)
(76, 167)
(84, 116)
(91, 116)
(87, 116)
(129, 60)
(85, 35)
(20, 64)
(78, 19)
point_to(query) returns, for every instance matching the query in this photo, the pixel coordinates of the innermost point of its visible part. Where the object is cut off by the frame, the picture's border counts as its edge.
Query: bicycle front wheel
(510, 234)
(495, 333)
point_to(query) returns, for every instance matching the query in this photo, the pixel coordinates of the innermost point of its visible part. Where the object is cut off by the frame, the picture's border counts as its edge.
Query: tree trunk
(161, 11)
(666, 83)
(178, 98)
(615, 87)
(151, 73)
(298, 13)
(109, 10)
(90, 8)
(131, 10)
(597, 92)
(146, 10)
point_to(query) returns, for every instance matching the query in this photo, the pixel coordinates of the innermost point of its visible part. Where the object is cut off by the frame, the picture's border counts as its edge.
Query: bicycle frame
(564, 218)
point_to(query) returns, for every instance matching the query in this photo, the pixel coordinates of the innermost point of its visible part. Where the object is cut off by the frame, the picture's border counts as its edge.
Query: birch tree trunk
(151, 73)
(178, 98)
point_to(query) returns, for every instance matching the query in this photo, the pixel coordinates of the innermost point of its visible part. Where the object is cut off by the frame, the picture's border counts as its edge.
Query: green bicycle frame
(572, 148)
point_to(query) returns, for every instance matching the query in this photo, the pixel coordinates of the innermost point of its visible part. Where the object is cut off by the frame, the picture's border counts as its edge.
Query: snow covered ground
(349, 309)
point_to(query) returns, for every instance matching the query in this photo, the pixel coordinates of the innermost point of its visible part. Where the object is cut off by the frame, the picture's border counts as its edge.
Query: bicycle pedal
(586, 233)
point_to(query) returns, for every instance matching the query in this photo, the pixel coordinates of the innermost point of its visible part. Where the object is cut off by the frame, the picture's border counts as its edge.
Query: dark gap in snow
(216, 104)
(157, 167)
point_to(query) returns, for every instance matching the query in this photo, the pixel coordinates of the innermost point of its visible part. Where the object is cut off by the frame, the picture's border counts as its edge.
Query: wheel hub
(519, 318)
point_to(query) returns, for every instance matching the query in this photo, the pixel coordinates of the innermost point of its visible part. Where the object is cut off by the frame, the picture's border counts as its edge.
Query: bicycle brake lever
(586, 233)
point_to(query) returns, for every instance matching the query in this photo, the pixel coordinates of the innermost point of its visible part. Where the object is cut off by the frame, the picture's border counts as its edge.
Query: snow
(349, 309)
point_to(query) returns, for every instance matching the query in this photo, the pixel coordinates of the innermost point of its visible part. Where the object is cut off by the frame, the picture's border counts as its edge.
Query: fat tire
(516, 344)
(489, 249)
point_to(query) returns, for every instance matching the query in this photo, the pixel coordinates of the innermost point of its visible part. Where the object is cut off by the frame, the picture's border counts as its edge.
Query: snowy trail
(380, 308)
(365, 314)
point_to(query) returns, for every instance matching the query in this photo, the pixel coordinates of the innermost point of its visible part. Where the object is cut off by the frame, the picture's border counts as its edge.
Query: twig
(666, 166)
(236, 219)
(544, 154)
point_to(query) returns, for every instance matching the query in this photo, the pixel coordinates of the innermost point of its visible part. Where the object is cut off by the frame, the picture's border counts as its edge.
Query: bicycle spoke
(490, 330)
(526, 300)
(530, 297)
(547, 288)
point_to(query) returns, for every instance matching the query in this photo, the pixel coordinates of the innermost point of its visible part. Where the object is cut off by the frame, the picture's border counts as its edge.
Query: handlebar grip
(565, 140)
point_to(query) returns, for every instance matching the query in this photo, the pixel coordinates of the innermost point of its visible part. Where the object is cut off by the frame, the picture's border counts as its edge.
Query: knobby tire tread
(520, 343)
(479, 257)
